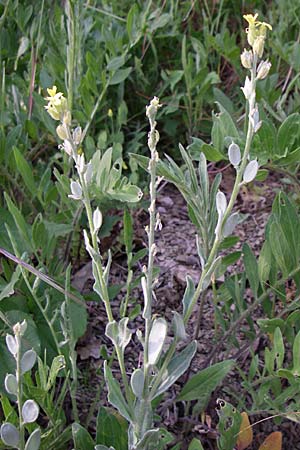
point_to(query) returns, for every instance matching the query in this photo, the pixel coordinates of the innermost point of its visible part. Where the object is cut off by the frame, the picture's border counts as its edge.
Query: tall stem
(19, 390)
(235, 191)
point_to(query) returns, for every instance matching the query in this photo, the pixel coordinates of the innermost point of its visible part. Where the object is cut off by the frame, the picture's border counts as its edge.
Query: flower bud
(247, 89)
(77, 134)
(61, 132)
(247, 59)
(76, 190)
(258, 46)
(151, 110)
(263, 70)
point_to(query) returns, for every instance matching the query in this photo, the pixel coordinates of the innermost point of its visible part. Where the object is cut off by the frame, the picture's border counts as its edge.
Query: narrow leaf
(205, 381)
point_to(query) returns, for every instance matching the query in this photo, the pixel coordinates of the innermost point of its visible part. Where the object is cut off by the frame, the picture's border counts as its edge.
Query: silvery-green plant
(209, 208)
(158, 370)
(160, 367)
(28, 411)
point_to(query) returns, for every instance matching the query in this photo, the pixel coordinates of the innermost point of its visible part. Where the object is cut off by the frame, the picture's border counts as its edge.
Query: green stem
(99, 100)
(70, 51)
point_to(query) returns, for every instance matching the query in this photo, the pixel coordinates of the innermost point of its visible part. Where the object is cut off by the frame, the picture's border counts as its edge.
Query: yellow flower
(250, 18)
(57, 104)
(256, 28)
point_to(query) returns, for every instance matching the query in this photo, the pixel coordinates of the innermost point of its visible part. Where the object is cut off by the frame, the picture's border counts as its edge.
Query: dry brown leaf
(245, 436)
(272, 442)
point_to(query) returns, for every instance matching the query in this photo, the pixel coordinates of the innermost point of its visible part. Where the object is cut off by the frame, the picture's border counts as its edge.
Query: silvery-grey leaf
(97, 219)
(12, 344)
(157, 338)
(137, 382)
(10, 435)
(207, 279)
(177, 366)
(30, 411)
(230, 224)
(28, 361)
(76, 190)
(119, 333)
(147, 300)
(34, 440)
(188, 294)
(200, 252)
(234, 154)
(221, 203)
(11, 384)
(115, 396)
(250, 171)
(149, 440)
(178, 325)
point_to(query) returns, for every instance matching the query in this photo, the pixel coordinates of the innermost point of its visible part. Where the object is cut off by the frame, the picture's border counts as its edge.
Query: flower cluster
(58, 106)
(256, 35)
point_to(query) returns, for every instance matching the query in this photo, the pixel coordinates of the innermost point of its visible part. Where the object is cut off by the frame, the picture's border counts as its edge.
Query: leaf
(177, 366)
(251, 268)
(149, 440)
(9, 434)
(111, 429)
(188, 294)
(120, 75)
(116, 63)
(11, 384)
(296, 355)
(291, 158)
(272, 442)
(198, 146)
(137, 382)
(25, 171)
(229, 425)
(287, 134)
(250, 171)
(278, 348)
(205, 382)
(264, 262)
(24, 44)
(223, 127)
(245, 436)
(82, 439)
(115, 396)
(178, 326)
(119, 333)
(28, 361)
(34, 440)
(157, 338)
(195, 445)
(30, 411)
(21, 225)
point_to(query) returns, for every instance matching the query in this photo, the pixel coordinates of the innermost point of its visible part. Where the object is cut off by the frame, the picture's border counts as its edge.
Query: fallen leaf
(272, 442)
(245, 436)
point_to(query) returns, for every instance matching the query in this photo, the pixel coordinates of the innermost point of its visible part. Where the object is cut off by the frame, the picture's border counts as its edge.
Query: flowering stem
(235, 191)
(19, 389)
